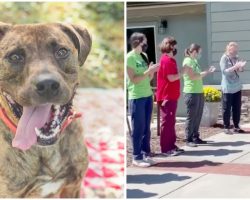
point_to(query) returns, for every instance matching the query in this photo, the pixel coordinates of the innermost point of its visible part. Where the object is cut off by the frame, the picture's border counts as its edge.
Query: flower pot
(210, 114)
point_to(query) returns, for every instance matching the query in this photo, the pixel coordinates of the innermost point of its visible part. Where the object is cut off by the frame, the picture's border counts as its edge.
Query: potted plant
(211, 107)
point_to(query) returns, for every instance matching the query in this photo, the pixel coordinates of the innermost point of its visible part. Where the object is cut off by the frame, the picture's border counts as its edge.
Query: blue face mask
(199, 56)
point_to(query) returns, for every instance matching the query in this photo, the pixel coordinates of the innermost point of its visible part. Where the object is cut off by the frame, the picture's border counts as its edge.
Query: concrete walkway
(220, 169)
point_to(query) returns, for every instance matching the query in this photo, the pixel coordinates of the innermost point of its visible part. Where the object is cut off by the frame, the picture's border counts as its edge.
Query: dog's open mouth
(37, 124)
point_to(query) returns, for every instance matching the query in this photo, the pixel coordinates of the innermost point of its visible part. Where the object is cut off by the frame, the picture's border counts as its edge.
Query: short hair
(193, 47)
(167, 44)
(136, 38)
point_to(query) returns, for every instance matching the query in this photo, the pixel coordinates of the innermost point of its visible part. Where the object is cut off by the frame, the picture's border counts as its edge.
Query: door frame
(147, 26)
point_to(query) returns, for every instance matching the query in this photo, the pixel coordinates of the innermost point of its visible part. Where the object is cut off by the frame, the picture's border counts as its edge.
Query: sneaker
(149, 160)
(199, 141)
(170, 153)
(191, 144)
(179, 150)
(238, 130)
(141, 163)
(159, 156)
(174, 152)
(228, 132)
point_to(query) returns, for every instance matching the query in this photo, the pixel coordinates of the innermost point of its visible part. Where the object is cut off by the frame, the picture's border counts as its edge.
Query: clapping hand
(211, 69)
(241, 64)
(153, 67)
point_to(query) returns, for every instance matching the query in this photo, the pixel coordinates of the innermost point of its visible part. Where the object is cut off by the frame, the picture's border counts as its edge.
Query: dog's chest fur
(41, 171)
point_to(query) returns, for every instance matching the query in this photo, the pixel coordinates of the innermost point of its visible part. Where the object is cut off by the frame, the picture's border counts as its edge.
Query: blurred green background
(104, 67)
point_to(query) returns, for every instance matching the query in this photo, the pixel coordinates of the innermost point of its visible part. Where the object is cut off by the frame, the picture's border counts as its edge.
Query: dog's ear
(81, 39)
(4, 28)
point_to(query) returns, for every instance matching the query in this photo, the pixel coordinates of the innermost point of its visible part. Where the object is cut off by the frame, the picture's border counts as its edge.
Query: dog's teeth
(57, 108)
(42, 136)
(54, 134)
(38, 133)
(57, 112)
(46, 137)
(57, 129)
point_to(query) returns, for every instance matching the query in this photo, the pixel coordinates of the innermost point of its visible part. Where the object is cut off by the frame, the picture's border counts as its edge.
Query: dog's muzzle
(23, 121)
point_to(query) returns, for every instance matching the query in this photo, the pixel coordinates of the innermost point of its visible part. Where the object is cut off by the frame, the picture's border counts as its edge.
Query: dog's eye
(62, 53)
(15, 58)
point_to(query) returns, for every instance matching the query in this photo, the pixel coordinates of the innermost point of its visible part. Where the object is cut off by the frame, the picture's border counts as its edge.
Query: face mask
(144, 47)
(199, 56)
(174, 52)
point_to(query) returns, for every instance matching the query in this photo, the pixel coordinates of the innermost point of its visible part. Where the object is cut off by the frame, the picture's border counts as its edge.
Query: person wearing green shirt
(193, 94)
(140, 72)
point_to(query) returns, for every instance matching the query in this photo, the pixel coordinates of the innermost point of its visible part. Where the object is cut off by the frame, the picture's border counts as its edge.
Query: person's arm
(135, 78)
(223, 65)
(233, 68)
(190, 73)
(196, 76)
(151, 75)
(174, 77)
(169, 70)
(241, 68)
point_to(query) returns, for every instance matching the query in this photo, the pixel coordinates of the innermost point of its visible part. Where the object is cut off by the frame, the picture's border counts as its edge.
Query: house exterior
(210, 24)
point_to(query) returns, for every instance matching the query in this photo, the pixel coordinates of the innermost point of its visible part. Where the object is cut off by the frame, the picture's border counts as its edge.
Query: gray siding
(228, 21)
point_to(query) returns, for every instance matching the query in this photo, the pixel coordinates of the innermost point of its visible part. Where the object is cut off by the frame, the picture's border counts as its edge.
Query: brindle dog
(38, 77)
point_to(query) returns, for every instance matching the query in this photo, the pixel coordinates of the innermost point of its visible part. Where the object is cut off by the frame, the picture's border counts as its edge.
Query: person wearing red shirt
(168, 93)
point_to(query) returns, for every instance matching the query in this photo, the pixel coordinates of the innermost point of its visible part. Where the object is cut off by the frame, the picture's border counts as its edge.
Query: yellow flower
(211, 94)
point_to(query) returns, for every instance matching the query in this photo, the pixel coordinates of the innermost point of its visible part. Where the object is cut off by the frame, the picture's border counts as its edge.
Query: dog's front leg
(72, 190)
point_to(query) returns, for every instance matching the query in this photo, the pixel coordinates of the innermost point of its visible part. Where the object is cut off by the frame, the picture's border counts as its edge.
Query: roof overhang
(148, 10)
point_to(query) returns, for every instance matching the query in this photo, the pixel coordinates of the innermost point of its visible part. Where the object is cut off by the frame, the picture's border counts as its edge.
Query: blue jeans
(141, 111)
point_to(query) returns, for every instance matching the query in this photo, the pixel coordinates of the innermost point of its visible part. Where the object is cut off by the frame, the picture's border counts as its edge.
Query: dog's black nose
(47, 86)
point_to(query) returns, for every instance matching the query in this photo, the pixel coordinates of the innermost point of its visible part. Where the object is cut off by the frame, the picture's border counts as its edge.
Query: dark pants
(168, 135)
(141, 111)
(195, 104)
(231, 102)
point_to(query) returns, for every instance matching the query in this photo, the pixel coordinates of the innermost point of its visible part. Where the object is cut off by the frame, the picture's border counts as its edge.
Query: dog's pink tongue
(31, 118)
